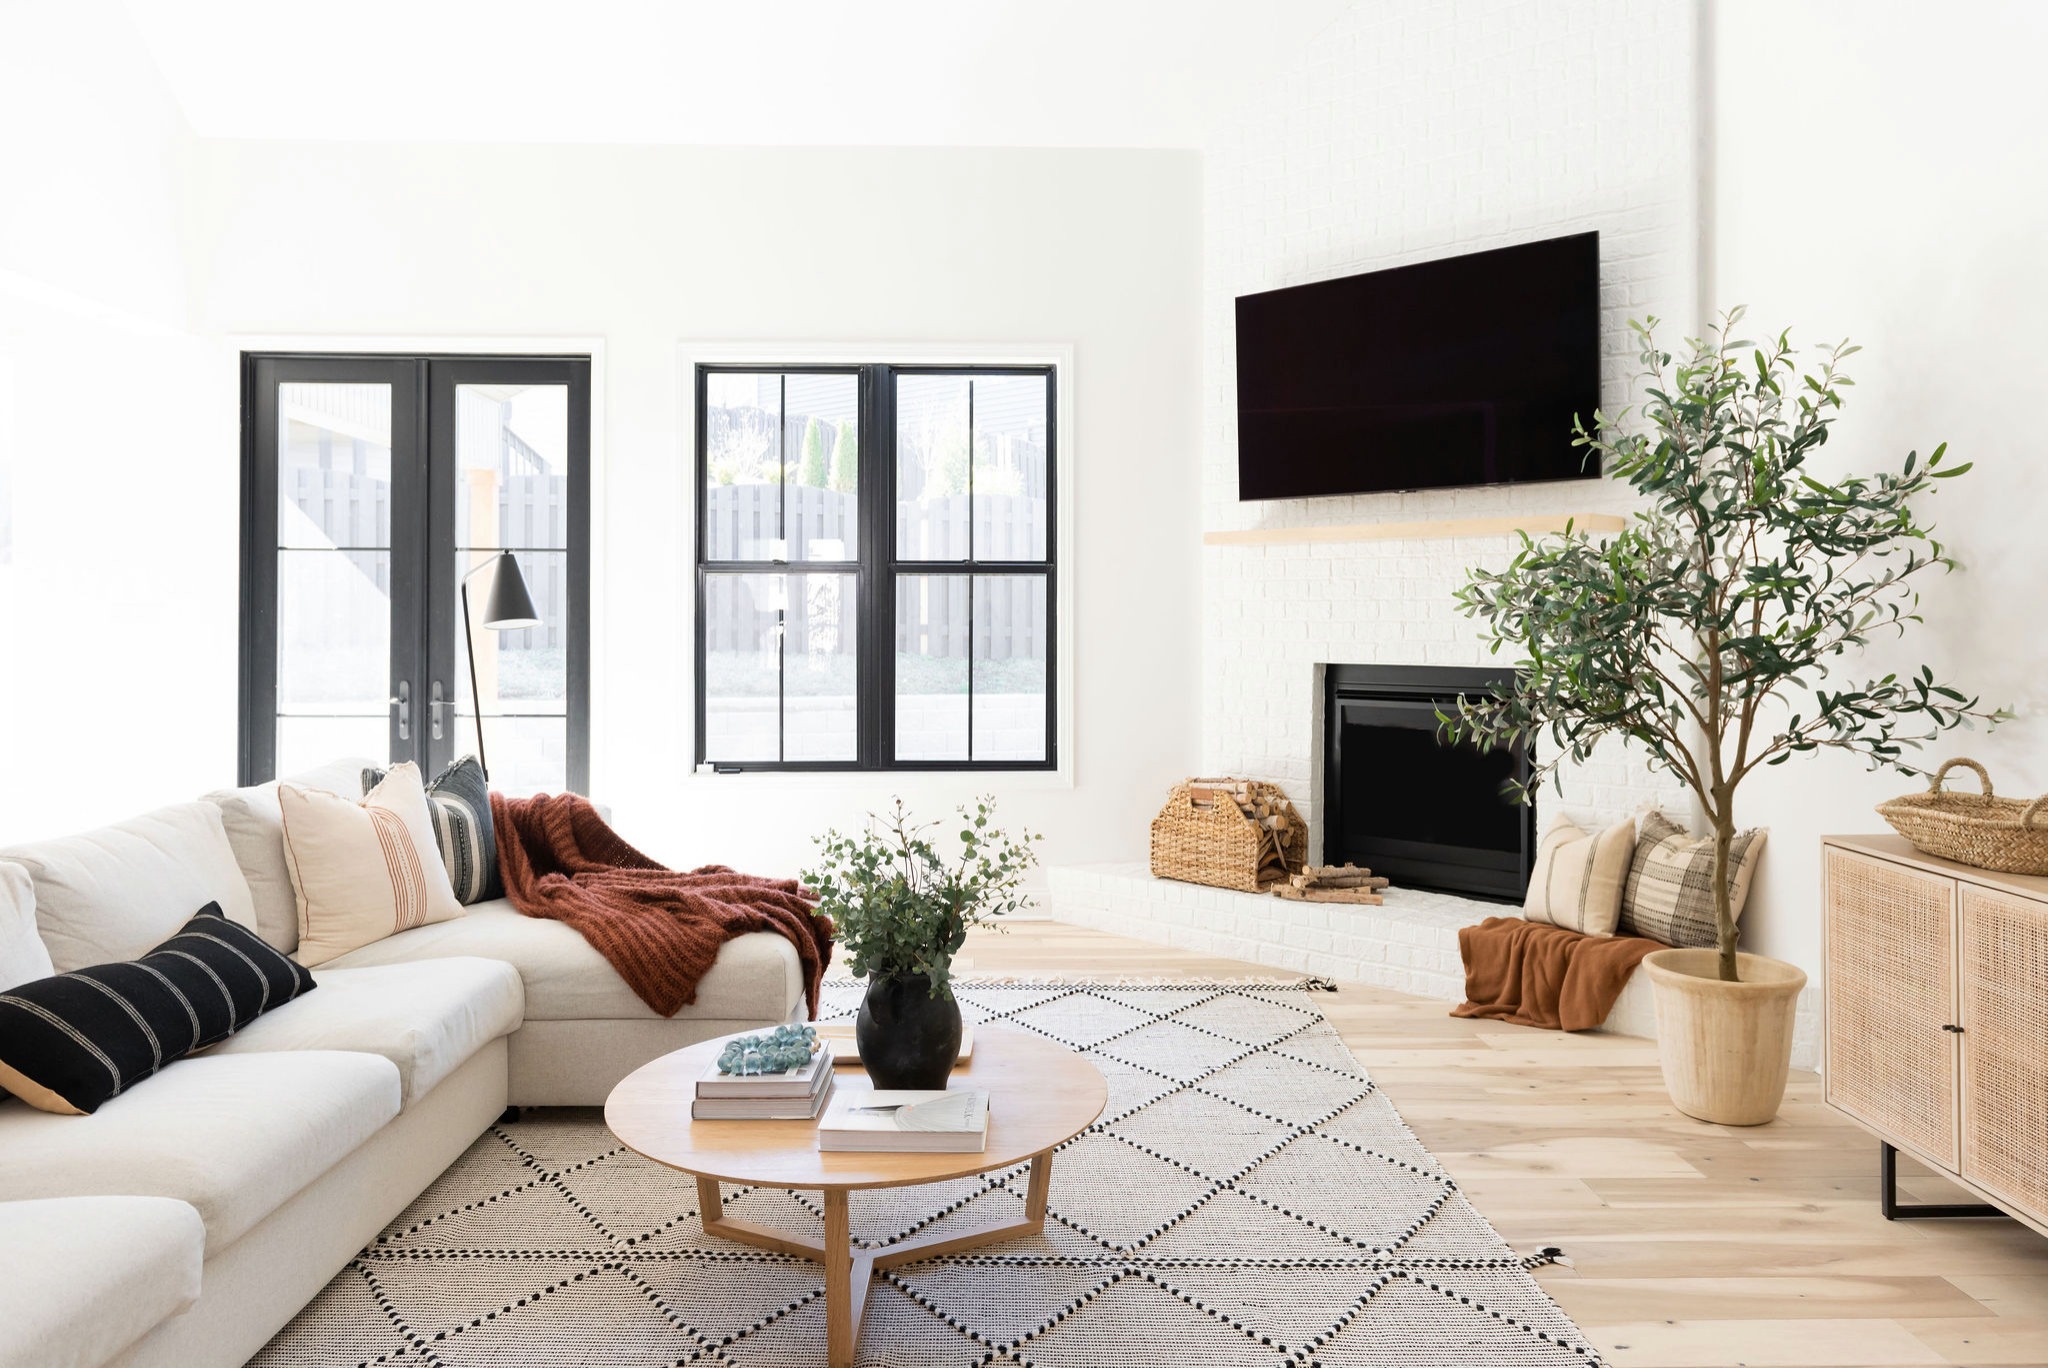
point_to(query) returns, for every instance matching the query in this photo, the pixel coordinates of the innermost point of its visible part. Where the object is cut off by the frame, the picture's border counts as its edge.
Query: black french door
(373, 487)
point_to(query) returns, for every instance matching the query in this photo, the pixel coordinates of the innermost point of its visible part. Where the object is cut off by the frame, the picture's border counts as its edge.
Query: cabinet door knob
(1957, 1029)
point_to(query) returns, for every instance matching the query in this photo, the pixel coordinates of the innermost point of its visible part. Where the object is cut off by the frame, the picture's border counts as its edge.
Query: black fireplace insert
(1401, 799)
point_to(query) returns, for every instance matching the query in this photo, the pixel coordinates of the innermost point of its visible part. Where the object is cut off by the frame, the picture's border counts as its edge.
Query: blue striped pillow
(460, 800)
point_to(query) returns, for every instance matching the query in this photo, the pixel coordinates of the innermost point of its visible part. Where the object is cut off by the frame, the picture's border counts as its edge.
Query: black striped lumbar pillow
(70, 1042)
(460, 800)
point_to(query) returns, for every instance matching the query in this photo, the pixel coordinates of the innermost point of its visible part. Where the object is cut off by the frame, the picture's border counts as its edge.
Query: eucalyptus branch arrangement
(902, 908)
(1713, 628)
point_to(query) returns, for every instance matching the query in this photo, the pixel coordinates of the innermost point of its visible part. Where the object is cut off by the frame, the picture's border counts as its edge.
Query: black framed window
(876, 576)
(372, 487)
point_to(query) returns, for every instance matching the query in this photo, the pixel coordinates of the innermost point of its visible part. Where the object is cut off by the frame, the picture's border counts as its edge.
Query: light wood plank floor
(1690, 1244)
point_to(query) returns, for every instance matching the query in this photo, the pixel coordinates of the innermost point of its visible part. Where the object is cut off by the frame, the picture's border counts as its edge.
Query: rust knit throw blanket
(660, 928)
(1535, 974)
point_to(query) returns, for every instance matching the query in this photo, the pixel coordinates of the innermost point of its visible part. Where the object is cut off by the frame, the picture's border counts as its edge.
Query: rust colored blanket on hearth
(659, 927)
(1535, 974)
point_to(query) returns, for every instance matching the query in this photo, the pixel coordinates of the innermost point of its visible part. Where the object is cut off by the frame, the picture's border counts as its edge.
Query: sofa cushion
(363, 870)
(459, 798)
(255, 827)
(236, 1135)
(427, 1018)
(70, 1042)
(756, 976)
(23, 956)
(116, 892)
(82, 1278)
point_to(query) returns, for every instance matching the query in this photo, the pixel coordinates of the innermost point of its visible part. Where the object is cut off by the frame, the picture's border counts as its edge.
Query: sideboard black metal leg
(1894, 1210)
(510, 1115)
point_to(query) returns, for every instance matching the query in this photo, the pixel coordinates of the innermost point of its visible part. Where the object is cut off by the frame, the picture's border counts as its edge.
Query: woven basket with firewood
(1229, 833)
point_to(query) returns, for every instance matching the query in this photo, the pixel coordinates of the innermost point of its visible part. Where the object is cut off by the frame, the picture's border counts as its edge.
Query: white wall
(643, 249)
(91, 159)
(1881, 174)
(117, 603)
(1411, 130)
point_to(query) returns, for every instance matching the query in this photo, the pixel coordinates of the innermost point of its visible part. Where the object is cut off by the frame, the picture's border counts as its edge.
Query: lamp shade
(508, 605)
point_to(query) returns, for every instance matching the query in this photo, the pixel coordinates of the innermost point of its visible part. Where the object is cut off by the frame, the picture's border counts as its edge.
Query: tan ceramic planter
(1726, 1047)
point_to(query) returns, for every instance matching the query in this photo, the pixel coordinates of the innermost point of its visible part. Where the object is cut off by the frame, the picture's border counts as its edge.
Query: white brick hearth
(1408, 944)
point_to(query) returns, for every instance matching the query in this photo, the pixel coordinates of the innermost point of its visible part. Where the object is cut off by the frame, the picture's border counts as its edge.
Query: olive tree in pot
(903, 910)
(1721, 630)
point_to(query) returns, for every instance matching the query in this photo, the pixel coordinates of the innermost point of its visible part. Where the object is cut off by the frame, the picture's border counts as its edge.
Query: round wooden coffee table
(1040, 1096)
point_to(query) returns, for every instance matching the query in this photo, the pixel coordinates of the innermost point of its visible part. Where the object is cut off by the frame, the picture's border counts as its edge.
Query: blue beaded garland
(776, 1051)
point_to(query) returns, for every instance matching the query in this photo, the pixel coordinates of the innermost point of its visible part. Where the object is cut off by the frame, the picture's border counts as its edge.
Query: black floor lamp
(507, 608)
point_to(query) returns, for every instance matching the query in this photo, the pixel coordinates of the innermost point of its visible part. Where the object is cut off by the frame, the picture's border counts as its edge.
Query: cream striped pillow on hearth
(1578, 876)
(363, 870)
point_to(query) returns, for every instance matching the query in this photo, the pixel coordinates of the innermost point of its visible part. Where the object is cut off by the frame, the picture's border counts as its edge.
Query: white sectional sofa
(184, 1222)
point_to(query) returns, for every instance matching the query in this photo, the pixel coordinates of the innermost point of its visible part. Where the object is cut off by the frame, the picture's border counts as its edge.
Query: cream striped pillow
(363, 870)
(1578, 877)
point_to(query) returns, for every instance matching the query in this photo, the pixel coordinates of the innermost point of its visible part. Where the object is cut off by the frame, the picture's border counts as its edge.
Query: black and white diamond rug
(1248, 1197)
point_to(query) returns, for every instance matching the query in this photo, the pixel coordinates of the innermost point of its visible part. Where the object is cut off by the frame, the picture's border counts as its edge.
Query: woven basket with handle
(1205, 835)
(1979, 829)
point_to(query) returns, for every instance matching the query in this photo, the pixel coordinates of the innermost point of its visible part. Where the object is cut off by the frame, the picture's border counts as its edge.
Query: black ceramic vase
(908, 1038)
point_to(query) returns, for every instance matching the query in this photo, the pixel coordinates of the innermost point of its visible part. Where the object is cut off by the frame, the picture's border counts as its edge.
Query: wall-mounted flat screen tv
(1463, 371)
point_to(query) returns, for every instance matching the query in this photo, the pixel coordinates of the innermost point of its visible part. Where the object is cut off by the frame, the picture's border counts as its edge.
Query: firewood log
(1310, 879)
(1357, 896)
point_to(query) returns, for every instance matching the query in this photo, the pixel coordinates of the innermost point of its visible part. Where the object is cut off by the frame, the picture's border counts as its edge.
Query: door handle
(403, 702)
(434, 706)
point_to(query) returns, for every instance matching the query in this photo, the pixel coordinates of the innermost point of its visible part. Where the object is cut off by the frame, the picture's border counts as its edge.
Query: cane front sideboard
(1936, 993)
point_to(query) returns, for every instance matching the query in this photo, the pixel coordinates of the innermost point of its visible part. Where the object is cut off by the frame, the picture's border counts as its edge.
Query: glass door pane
(511, 492)
(333, 572)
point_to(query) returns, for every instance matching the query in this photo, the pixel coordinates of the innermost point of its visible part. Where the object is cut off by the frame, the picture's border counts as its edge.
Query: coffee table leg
(710, 1205)
(1041, 1184)
(846, 1282)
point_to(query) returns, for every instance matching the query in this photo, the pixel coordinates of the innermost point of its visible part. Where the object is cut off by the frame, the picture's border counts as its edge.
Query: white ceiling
(978, 73)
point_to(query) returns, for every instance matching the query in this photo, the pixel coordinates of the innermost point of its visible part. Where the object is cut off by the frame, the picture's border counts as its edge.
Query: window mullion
(782, 536)
(971, 520)
(878, 580)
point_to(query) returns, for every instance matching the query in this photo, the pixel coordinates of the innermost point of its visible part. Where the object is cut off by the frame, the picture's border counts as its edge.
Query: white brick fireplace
(1392, 142)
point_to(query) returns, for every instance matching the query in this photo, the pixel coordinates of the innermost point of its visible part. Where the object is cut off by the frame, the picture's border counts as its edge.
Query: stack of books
(791, 1095)
(952, 1121)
